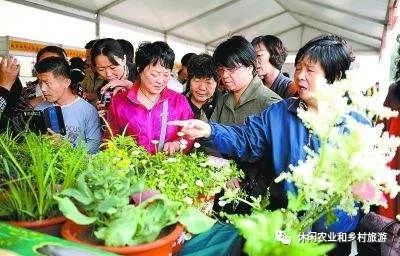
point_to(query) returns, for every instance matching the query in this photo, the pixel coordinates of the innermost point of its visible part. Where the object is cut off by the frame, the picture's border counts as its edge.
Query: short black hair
(53, 49)
(186, 58)
(128, 49)
(234, 52)
(332, 52)
(108, 47)
(202, 66)
(89, 45)
(277, 51)
(153, 53)
(56, 65)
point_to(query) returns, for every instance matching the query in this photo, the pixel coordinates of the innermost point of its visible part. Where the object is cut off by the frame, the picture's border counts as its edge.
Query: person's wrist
(208, 132)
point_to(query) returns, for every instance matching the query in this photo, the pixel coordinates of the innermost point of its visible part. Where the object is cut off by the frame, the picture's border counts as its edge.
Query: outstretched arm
(247, 141)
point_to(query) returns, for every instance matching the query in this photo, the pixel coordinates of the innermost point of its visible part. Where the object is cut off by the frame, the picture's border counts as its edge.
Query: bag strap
(387, 226)
(163, 131)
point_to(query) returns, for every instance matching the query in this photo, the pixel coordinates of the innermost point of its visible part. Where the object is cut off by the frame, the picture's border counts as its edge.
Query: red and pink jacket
(126, 112)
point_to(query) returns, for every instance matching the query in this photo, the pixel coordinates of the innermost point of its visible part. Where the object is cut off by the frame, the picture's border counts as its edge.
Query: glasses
(222, 70)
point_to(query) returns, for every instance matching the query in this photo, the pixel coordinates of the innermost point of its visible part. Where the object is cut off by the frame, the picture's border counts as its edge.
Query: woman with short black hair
(235, 60)
(143, 111)
(202, 81)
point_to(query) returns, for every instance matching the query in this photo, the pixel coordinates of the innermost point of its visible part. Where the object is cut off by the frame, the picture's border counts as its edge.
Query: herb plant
(186, 178)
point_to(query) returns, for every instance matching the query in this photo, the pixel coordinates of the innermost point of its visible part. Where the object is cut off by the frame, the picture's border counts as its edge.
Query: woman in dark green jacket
(235, 59)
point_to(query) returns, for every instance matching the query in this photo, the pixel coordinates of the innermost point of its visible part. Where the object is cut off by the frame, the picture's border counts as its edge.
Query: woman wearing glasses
(235, 60)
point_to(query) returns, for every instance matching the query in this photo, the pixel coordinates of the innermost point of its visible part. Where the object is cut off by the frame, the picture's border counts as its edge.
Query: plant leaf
(111, 203)
(196, 221)
(120, 231)
(68, 208)
(82, 186)
(77, 195)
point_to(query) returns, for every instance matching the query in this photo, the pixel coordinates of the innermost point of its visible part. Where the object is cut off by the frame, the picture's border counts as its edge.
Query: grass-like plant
(32, 169)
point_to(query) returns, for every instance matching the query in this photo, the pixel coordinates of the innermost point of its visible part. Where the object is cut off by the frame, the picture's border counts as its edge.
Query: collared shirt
(254, 99)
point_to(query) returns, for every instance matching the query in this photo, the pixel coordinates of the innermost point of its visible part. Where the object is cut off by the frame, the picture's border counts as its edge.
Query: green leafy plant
(101, 197)
(186, 178)
(277, 238)
(34, 168)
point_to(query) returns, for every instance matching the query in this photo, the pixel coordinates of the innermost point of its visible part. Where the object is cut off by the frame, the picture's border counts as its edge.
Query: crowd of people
(237, 100)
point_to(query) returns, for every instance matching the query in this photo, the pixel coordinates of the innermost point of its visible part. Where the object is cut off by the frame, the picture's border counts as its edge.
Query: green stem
(247, 202)
(313, 216)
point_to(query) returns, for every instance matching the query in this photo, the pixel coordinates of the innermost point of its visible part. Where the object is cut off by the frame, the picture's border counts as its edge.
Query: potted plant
(102, 198)
(34, 168)
(348, 172)
(192, 179)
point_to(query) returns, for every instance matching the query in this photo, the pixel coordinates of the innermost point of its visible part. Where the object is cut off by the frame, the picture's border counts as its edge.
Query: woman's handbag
(375, 224)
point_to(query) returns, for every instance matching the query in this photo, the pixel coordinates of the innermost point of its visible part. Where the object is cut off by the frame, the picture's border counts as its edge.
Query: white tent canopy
(208, 22)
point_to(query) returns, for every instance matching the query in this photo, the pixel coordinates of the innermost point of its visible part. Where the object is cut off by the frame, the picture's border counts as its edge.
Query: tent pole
(97, 24)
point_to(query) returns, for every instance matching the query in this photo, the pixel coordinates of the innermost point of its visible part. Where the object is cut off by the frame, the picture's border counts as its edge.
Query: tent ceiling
(210, 21)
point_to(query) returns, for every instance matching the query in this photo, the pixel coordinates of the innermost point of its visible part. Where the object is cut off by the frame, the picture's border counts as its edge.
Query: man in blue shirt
(80, 117)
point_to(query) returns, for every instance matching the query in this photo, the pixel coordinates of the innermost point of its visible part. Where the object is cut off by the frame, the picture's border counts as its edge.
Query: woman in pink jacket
(144, 110)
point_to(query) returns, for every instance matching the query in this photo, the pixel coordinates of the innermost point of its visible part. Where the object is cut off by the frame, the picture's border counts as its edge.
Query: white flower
(215, 190)
(183, 141)
(196, 145)
(183, 186)
(222, 203)
(135, 153)
(217, 161)
(181, 134)
(203, 164)
(188, 200)
(161, 184)
(199, 183)
(171, 160)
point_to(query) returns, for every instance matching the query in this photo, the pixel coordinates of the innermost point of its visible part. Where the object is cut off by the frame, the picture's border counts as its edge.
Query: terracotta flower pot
(165, 245)
(51, 226)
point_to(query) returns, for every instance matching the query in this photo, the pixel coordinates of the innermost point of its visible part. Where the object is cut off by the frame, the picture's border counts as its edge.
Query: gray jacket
(254, 99)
